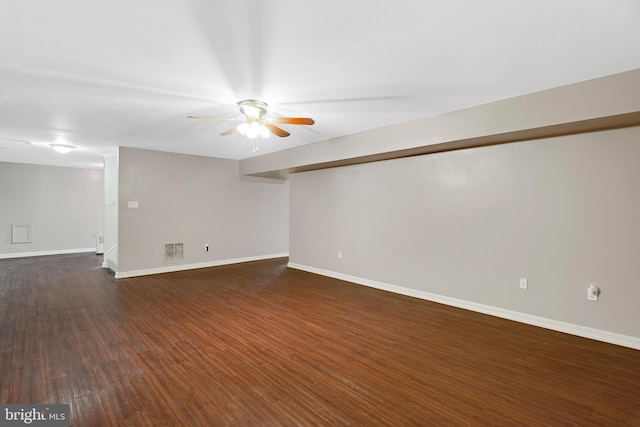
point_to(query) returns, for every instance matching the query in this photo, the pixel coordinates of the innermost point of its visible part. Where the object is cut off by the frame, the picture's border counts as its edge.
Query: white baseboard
(41, 253)
(110, 264)
(182, 267)
(109, 260)
(569, 328)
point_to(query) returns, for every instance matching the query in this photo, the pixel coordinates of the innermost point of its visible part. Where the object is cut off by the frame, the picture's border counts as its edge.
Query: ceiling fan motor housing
(253, 109)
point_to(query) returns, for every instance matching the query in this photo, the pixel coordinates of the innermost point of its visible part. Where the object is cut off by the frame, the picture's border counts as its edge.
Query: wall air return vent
(173, 252)
(99, 243)
(21, 233)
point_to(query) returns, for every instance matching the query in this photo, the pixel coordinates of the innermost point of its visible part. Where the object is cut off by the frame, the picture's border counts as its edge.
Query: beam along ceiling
(96, 75)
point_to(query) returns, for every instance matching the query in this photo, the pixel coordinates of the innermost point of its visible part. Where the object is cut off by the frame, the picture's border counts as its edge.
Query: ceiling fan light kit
(252, 129)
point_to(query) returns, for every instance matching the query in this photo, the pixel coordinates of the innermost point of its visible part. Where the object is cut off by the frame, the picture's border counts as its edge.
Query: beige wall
(562, 212)
(63, 206)
(195, 200)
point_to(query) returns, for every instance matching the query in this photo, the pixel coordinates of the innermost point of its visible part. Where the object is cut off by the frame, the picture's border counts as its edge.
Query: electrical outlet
(592, 293)
(524, 284)
(206, 247)
(339, 254)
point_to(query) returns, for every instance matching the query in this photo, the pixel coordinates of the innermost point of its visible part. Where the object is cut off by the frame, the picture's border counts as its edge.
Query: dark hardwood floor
(258, 344)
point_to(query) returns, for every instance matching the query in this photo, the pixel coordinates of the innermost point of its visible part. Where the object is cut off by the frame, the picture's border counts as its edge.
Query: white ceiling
(122, 72)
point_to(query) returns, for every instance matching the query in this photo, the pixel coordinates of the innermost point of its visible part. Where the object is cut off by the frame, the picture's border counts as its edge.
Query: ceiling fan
(256, 122)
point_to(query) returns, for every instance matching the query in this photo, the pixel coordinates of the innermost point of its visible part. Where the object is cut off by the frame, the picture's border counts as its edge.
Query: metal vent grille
(99, 243)
(173, 252)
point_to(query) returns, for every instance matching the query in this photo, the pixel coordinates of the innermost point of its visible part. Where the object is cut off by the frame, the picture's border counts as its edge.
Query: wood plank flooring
(258, 344)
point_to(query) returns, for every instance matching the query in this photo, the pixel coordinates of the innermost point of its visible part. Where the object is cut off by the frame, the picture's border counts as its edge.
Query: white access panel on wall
(21, 233)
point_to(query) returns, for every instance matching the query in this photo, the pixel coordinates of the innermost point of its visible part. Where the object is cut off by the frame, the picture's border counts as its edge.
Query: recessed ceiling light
(63, 148)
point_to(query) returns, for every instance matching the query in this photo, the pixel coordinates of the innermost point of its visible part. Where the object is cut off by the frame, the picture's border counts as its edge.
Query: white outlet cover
(524, 284)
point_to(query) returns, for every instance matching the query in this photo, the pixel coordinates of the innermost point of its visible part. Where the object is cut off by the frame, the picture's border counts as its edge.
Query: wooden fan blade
(294, 120)
(229, 131)
(276, 130)
(212, 118)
